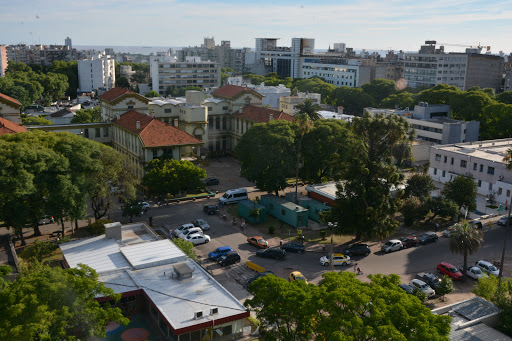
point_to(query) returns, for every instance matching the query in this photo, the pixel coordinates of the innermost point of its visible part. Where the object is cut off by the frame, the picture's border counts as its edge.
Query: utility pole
(331, 260)
(507, 228)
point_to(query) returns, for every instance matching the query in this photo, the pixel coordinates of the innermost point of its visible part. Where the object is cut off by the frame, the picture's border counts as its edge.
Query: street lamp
(331, 263)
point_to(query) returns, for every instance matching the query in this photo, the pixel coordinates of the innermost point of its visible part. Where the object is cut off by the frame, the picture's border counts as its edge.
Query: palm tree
(303, 126)
(465, 239)
(310, 109)
(508, 159)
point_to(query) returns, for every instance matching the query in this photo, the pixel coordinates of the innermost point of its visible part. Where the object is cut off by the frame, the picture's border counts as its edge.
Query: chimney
(137, 124)
(271, 117)
(113, 230)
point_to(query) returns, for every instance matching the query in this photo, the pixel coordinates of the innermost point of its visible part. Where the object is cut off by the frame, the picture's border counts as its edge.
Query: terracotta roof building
(143, 138)
(262, 115)
(117, 101)
(10, 108)
(9, 127)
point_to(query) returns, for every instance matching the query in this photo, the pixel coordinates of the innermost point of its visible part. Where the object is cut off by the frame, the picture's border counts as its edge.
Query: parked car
(422, 286)
(293, 247)
(428, 237)
(271, 253)
(297, 276)
(475, 272)
(183, 235)
(392, 245)
(503, 220)
(357, 250)
(259, 275)
(337, 259)
(145, 206)
(449, 270)
(410, 241)
(229, 258)
(476, 223)
(488, 267)
(219, 252)
(407, 288)
(176, 232)
(210, 209)
(432, 280)
(202, 224)
(211, 181)
(197, 238)
(448, 232)
(258, 242)
(47, 219)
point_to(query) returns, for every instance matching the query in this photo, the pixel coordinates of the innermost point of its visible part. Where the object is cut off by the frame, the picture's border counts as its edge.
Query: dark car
(409, 241)
(211, 181)
(229, 258)
(428, 237)
(259, 275)
(432, 280)
(293, 247)
(221, 250)
(210, 209)
(407, 288)
(503, 220)
(271, 253)
(357, 250)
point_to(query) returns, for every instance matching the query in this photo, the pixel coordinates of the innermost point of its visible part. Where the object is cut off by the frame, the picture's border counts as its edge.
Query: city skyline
(398, 25)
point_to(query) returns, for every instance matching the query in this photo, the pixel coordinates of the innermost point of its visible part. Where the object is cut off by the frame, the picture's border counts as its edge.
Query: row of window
(464, 164)
(97, 132)
(479, 183)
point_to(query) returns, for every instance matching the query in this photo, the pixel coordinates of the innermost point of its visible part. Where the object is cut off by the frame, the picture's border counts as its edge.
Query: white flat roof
(174, 101)
(214, 100)
(160, 252)
(492, 150)
(328, 189)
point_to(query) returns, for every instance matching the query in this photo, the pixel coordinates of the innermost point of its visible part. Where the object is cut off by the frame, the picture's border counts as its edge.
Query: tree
(309, 108)
(317, 85)
(462, 191)
(440, 206)
(87, 115)
(186, 247)
(70, 70)
(139, 76)
(412, 210)
(505, 97)
(343, 308)
(419, 185)
(496, 121)
(499, 292)
(152, 94)
(131, 208)
(35, 121)
(379, 89)
(353, 100)
(123, 82)
(170, 176)
(465, 239)
(365, 203)
(46, 303)
(55, 85)
(402, 151)
(402, 100)
(445, 287)
(303, 121)
(266, 154)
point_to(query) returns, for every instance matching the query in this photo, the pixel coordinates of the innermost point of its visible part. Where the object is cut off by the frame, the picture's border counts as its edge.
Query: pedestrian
(281, 242)
(359, 271)
(303, 240)
(355, 267)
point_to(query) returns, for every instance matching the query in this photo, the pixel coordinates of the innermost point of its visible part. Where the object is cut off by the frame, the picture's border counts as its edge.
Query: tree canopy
(353, 100)
(45, 303)
(462, 191)
(342, 307)
(499, 292)
(87, 115)
(35, 121)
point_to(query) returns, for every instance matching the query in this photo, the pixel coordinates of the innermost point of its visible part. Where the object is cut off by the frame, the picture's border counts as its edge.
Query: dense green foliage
(35, 121)
(87, 115)
(342, 307)
(462, 191)
(178, 92)
(500, 294)
(45, 303)
(419, 185)
(309, 108)
(168, 176)
(152, 94)
(98, 227)
(186, 247)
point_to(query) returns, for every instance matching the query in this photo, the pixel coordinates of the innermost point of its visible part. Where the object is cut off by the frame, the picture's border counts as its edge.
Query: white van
(233, 195)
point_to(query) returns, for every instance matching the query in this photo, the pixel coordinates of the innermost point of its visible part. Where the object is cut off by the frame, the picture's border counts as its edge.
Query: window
(490, 187)
(435, 171)
(97, 132)
(438, 157)
(490, 170)
(500, 191)
(86, 133)
(210, 123)
(130, 107)
(283, 212)
(481, 168)
(445, 159)
(217, 123)
(225, 108)
(474, 166)
(463, 163)
(167, 111)
(508, 192)
(224, 123)
(444, 174)
(452, 160)
(210, 109)
(105, 132)
(155, 153)
(479, 183)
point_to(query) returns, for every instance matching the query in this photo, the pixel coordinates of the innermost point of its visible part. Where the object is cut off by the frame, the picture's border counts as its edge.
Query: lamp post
(331, 263)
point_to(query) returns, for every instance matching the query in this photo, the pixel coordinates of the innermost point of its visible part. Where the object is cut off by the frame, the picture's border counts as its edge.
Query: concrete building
(68, 43)
(156, 280)
(287, 103)
(63, 116)
(168, 74)
(40, 54)
(3, 60)
(342, 72)
(97, 72)
(285, 61)
(272, 93)
(10, 108)
(483, 160)
(432, 66)
(120, 100)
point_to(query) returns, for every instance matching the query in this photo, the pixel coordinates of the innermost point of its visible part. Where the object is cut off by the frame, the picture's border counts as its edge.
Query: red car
(449, 270)
(409, 241)
(258, 241)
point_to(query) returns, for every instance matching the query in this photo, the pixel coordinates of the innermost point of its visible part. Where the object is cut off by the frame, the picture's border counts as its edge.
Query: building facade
(97, 72)
(340, 73)
(287, 104)
(120, 100)
(483, 160)
(40, 54)
(3, 60)
(10, 108)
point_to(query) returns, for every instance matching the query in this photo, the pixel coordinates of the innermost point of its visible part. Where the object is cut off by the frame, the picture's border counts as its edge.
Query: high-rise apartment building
(68, 42)
(97, 73)
(40, 54)
(3, 60)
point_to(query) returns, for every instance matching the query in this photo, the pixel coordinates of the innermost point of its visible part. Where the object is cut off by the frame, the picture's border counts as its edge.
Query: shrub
(323, 233)
(271, 229)
(98, 227)
(38, 250)
(186, 247)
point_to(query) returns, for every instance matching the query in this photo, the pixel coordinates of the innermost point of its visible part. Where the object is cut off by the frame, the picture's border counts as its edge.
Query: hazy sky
(366, 24)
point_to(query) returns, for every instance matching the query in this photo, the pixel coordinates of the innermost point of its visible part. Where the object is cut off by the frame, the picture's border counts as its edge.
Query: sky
(369, 24)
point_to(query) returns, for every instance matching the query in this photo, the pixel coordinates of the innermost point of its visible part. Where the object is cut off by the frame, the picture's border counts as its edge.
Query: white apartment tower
(97, 72)
(68, 43)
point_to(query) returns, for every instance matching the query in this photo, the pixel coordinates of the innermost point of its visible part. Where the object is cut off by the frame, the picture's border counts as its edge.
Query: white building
(349, 72)
(157, 280)
(287, 103)
(481, 159)
(272, 93)
(97, 72)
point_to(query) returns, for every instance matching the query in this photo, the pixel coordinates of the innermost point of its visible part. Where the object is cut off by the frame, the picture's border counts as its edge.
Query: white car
(183, 235)
(198, 238)
(475, 272)
(176, 232)
(337, 259)
(447, 232)
(422, 286)
(488, 268)
(145, 205)
(392, 245)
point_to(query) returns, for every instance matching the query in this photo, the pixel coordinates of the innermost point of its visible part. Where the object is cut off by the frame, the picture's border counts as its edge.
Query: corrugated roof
(115, 93)
(478, 332)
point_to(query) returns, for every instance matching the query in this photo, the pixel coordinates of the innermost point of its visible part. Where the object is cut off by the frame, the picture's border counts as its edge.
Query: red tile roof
(10, 99)
(231, 91)
(9, 127)
(153, 132)
(261, 114)
(115, 93)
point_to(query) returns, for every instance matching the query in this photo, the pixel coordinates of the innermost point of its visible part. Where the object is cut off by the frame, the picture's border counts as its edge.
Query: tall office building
(68, 43)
